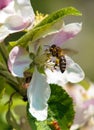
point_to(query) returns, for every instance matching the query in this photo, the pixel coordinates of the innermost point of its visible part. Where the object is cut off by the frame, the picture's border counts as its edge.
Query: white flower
(73, 74)
(38, 92)
(15, 16)
(84, 104)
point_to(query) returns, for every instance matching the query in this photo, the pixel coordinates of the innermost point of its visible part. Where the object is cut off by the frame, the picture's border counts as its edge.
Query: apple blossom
(38, 91)
(84, 105)
(15, 16)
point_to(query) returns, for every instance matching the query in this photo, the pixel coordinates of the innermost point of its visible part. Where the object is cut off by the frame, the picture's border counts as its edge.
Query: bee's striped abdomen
(62, 63)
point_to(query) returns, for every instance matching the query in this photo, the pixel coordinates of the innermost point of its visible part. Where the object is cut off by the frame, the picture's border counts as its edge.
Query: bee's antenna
(46, 47)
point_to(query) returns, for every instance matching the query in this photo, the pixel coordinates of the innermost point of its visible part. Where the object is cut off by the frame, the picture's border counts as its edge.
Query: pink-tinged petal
(6, 12)
(38, 94)
(4, 3)
(83, 115)
(67, 32)
(21, 8)
(16, 23)
(84, 104)
(18, 61)
(79, 119)
(87, 103)
(76, 92)
(59, 37)
(89, 112)
(17, 16)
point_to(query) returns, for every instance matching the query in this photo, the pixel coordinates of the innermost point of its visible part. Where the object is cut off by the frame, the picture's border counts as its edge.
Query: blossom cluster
(18, 15)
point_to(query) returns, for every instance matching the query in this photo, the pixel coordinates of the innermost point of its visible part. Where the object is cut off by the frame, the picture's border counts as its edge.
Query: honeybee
(60, 55)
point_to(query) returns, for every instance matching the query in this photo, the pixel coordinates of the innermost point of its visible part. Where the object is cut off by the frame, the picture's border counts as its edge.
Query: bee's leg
(56, 64)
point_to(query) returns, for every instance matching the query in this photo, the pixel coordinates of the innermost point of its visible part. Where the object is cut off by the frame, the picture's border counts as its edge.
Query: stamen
(39, 17)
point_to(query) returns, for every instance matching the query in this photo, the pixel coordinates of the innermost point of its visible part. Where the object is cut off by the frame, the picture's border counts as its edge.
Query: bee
(59, 53)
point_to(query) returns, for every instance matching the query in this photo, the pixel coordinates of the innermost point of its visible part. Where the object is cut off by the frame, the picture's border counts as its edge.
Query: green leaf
(60, 111)
(45, 26)
(4, 52)
(61, 107)
(59, 14)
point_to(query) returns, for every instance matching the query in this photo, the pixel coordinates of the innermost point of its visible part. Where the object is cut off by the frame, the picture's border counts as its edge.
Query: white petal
(73, 28)
(56, 77)
(24, 8)
(74, 72)
(38, 94)
(74, 127)
(18, 61)
(4, 32)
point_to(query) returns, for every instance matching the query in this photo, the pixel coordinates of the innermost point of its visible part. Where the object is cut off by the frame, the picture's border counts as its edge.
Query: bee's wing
(74, 72)
(69, 51)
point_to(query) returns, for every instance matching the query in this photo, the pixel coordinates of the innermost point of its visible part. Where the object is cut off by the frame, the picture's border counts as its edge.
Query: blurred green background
(83, 42)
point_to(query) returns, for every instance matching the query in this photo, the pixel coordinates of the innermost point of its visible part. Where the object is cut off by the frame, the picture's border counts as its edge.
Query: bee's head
(52, 47)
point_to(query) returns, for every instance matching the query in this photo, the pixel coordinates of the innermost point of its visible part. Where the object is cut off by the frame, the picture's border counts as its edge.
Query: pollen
(39, 17)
